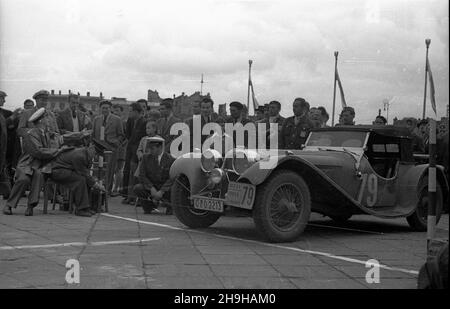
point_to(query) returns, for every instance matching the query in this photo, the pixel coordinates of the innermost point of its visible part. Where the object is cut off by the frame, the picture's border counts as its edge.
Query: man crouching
(71, 169)
(154, 180)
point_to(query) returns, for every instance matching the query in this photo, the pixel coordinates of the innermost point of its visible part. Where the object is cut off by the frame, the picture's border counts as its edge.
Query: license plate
(240, 195)
(208, 204)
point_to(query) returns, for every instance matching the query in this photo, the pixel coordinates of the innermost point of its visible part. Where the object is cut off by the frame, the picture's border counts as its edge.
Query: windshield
(337, 139)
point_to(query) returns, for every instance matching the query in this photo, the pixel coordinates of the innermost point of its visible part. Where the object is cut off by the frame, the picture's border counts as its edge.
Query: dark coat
(65, 124)
(76, 160)
(134, 138)
(294, 136)
(154, 174)
(164, 126)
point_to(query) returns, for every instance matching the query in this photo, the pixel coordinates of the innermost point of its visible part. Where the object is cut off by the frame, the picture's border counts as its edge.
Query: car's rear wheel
(282, 207)
(418, 220)
(183, 209)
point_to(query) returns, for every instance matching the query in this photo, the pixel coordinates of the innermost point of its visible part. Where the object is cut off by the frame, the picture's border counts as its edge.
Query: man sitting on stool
(154, 180)
(72, 170)
(37, 151)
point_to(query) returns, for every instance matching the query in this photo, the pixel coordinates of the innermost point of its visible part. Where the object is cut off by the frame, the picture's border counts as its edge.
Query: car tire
(184, 211)
(418, 220)
(266, 196)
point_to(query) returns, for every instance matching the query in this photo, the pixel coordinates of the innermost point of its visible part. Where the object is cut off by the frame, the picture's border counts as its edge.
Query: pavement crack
(144, 269)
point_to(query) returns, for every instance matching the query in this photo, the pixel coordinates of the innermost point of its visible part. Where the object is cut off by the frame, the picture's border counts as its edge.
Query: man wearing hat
(295, 129)
(51, 126)
(109, 128)
(37, 152)
(154, 180)
(71, 169)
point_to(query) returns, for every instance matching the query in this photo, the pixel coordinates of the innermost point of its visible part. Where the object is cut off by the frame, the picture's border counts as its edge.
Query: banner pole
(334, 89)
(427, 42)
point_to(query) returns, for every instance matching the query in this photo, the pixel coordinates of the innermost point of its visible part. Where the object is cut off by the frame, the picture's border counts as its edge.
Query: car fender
(189, 165)
(330, 198)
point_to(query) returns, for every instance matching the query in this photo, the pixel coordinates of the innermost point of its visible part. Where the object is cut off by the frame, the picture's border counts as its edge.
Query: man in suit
(166, 121)
(37, 152)
(109, 128)
(295, 129)
(137, 133)
(206, 115)
(154, 180)
(72, 119)
(274, 117)
(41, 98)
(237, 115)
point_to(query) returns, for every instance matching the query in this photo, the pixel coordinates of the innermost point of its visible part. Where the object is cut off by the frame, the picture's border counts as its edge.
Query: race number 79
(371, 182)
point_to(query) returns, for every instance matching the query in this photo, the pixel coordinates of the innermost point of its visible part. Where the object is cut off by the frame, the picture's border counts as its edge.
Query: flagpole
(201, 86)
(432, 181)
(427, 43)
(248, 86)
(334, 90)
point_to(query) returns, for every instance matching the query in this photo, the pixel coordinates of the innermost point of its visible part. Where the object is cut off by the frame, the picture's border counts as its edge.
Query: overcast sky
(123, 48)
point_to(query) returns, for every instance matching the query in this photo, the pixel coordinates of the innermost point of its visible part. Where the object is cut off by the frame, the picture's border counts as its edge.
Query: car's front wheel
(418, 220)
(183, 209)
(282, 207)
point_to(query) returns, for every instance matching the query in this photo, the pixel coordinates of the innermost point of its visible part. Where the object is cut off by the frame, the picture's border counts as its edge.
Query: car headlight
(243, 159)
(216, 175)
(211, 159)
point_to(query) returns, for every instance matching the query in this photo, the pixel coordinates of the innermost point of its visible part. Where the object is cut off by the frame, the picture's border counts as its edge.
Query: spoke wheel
(282, 207)
(183, 207)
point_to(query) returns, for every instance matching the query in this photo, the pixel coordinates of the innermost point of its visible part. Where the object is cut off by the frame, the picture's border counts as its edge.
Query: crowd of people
(138, 169)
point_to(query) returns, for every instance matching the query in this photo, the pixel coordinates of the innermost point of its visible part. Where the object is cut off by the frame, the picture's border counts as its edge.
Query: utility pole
(201, 85)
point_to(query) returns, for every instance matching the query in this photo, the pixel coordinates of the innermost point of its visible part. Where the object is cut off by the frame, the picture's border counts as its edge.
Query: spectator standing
(72, 119)
(137, 133)
(348, 116)
(296, 128)
(380, 121)
(166, 121)
(112, 128)
(325, 116)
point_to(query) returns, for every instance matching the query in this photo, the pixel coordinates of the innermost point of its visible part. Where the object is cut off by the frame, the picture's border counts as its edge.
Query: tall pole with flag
(249, 83)
(432, 185)
(337, 80)
(427, 43)
(201, 85)
(334, 89)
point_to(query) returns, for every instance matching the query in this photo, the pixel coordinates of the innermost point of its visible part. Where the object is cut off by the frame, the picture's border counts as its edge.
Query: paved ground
(127, 249)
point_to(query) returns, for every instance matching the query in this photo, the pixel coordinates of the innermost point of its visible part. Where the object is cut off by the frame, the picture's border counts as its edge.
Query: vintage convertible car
(341, 171)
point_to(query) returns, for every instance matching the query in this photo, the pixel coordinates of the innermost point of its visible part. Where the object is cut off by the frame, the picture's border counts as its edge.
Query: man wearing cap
(295, 129)
(166, 121)
(51, 126)
(154, 180)
(71, 169)
(112, 133)
(37, 152)
(72, 119)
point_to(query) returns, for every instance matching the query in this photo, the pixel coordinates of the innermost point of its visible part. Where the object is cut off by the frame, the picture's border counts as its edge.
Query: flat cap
(3, 94)
(238, 105)
(37, 115)
(41, 93)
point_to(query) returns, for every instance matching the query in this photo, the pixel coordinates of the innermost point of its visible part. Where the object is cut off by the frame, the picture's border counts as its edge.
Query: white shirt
(76, 127)
(159, 158)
